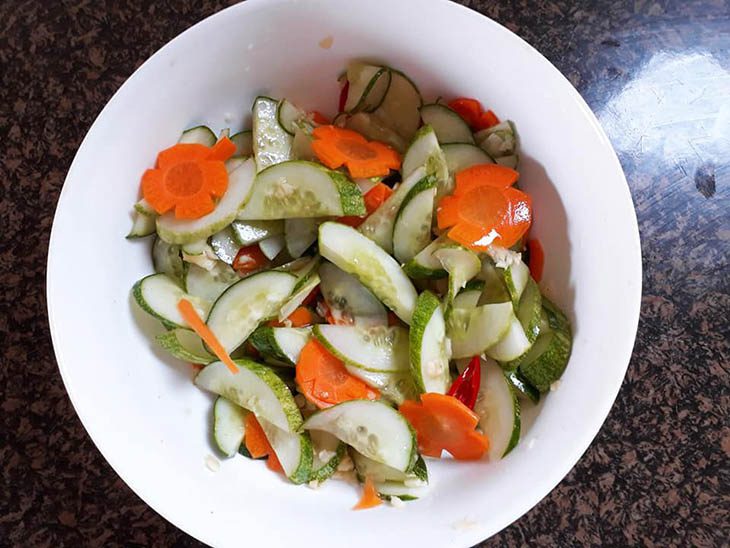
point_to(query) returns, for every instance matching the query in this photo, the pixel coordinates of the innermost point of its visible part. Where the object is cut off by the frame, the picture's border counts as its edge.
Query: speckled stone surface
(658, 76)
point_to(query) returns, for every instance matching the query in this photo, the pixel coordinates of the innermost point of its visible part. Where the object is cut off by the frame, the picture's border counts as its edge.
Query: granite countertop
(657, 73)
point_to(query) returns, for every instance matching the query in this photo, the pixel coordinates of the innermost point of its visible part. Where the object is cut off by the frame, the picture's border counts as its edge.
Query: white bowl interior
(140, 407)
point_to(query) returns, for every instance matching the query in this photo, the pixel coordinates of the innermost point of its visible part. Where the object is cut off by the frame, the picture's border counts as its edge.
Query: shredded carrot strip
(191, 316)
(370, 498)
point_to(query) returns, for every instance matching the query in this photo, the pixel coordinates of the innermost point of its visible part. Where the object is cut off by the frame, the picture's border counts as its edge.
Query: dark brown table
(657, 73)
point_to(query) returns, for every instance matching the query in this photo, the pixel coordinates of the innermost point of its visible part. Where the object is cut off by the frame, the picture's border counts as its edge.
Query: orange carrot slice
(191, 316)
(443, 423)
(301, 317)
(370, 498)
(323, 379)
(258, 444)
(335, 147)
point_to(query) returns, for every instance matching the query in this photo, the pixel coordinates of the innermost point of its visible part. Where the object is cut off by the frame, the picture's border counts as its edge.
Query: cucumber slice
(368, 87)
(400, 107)
(379, 472)
(198, 247)
(225, 245)
(425, 151)
(498, 409)
(412, 228)
(199, 135)
(469, 296)
(522, 388)
(229, 426)
(379, 349)
(395, 386)
(512, 345)
(462, 265)
(495, 289)
(425, 264)
(272, 246)
(209, 284)
(498, 141)
(302, 189)
(255, 387)
(347, 298)
(429, 356)
(166, 259)
(252, 232)
(390, 489)
(356, 254)
(375, 129)
(301, 147)
(288, 114)
(143, 207)
(244, 143)
(283, 344)
(379, 225)
(508, 161)
(460, 156)
(142, 225)
(300, 293)
(547, 359)
(328, 453)
(271, 142)
(300, 234)
(474, 331)
(241, 307)
(372, 428)
(529, 310)
(293, 450)
(185, 345)
(515, 278)
(158, 295)
(179, 231)
(448, 125)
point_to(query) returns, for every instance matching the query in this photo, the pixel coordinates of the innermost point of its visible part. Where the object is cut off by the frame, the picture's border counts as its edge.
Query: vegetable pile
(360, 293)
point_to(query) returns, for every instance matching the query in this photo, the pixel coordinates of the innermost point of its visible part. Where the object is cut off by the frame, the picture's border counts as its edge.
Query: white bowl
(140, 407)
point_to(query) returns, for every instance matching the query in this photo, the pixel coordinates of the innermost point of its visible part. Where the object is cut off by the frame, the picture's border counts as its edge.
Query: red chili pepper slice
(343, 96)
(466, 386)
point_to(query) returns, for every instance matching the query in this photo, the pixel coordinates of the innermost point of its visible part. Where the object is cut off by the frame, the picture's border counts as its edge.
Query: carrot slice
(444, 423)
(469, 109)
(370, 498)
(181, 153)
(324, 381)
(191, 316)
(319, 118)
(484, 175)
(258, 444)
(537, 259)
(301, 317)
(222, 150)
(336, 147)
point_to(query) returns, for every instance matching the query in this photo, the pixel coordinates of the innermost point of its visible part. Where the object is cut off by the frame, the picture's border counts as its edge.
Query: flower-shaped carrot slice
(335, 147)
(188, 178)
(443, 423)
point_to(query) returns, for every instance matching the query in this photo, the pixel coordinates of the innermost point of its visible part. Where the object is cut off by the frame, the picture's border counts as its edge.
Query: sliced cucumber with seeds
(185, 345)
(179, 231)
(425, 264)
(424, 151)
(429, 355)
(225, 245)
(142, 225)
(328, 453)
(293, 450)
(462, 265)
(209, 284)
(244, 143)
(252, 232)
(350, 300)
(374, 349)
(547, 359)
(272, 246)
(271, 142)
(512, 345)
(158, 295)
(448, 125)
(255, 387)
(199, 135)
(474, 331)
(283, 344)
(300, 234)
(356, 254)
(460, 156)
(399, 109)
(229, 426)
(368, 87)
(374, 129)
(379, 225)
(372, 428)
(394, 386)
(498, 409)
(300, 293)
(166, 259)
(238, 311)
(302, 189)
(288, 114)
(412, 227)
